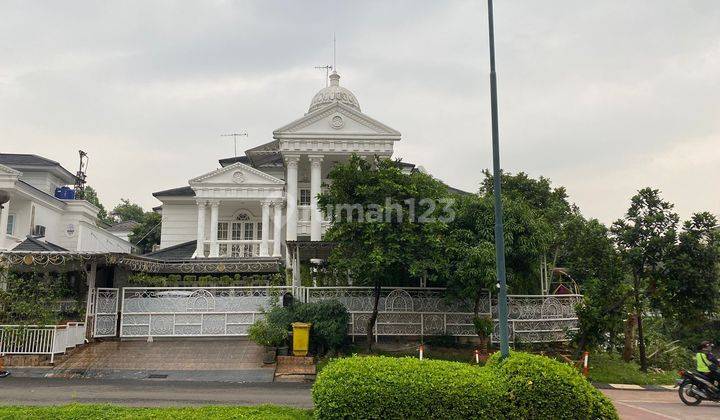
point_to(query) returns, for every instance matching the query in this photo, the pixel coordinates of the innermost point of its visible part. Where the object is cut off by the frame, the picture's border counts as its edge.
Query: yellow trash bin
(301, 338)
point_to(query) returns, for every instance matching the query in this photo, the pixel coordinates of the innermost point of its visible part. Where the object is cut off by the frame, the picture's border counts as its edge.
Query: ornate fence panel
(426, 311)
(194, 311)
(106, 312)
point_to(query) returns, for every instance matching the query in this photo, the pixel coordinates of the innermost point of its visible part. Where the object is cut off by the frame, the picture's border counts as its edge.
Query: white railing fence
(427, 311)
(41, 339)
(194, 311)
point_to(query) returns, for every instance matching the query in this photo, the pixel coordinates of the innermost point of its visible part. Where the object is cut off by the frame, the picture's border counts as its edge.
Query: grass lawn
(612, 369)
(104, 411)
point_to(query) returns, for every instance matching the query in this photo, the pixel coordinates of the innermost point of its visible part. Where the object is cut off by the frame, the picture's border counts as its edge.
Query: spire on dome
(334, 79)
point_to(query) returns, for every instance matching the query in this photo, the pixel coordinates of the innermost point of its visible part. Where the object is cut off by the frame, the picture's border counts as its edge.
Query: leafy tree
(147, 233)
(385, 227)
(692, 276)
(126, 211)
(644, 238)
(91, 196)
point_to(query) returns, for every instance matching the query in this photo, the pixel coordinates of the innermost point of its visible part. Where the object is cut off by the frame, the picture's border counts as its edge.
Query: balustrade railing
(41, 339)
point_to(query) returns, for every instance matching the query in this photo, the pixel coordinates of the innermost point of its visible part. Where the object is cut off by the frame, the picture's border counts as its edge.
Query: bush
(522, 387)
(407, 388)
(329, 320)
(267, 334)
(545, 388)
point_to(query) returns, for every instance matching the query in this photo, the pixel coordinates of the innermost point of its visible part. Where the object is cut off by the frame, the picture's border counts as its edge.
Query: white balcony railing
(238, 248)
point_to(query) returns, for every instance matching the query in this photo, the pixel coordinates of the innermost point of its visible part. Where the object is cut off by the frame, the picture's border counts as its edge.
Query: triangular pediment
(236, 174)
(337, 120)
(6, 170)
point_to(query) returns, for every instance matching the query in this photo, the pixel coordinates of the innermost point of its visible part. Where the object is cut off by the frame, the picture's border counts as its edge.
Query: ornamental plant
(267, 334)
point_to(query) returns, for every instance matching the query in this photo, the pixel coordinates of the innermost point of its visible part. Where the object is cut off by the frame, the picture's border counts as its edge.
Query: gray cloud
(602, 97)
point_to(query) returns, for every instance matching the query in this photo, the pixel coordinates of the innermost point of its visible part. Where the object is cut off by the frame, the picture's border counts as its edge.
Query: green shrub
(267, 334)
(329, 320)
(545, 388)
(524, 387)
(407, 388)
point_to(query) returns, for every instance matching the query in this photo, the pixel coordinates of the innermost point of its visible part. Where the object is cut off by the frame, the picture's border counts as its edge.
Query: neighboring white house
(35, 220)
(253, 206)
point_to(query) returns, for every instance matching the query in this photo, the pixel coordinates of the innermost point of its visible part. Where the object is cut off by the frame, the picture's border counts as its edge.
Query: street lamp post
(499, 238)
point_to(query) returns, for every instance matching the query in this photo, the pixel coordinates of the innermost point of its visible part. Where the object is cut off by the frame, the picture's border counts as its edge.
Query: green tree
(385, 227)
(126, 211)
(91, 196)
(147, 233)
(692, 276)
(644, 238)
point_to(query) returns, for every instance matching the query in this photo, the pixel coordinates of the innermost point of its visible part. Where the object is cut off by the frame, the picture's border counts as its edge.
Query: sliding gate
(194, 311)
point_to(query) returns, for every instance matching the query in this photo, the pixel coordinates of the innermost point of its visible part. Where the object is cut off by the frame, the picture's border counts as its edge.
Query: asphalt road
(642, 405)
(149, 393)
(632, 405)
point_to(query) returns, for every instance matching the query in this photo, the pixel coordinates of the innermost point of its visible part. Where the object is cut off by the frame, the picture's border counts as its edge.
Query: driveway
(637, 405)
(149, 392)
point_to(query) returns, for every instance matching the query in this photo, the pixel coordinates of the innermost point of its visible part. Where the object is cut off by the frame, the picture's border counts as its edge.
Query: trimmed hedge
(545, 388)
(406, 388)
(522, 387)
(329, 320)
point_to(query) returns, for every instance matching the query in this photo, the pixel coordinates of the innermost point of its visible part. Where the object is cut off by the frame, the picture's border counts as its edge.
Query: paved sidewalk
(34, 391)
(644, 405)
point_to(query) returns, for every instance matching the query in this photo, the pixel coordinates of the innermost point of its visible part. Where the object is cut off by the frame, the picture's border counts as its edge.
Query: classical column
(291, 179)
(265, 228)
(214, 248)
(200, 249)
(3, 225)
(315, 183)
(277, 228)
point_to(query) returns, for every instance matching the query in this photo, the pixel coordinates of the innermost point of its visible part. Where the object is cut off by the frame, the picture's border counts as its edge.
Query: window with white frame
(304, 197)
(222, 235)
(10, 228)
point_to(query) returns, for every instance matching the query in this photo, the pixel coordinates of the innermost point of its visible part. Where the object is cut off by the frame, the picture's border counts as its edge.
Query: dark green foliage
(32, 298)
(126, 211)
(543, 388)
(91, 196)
(522, 387)
(147, 233)
(266, 334)
(329, 321)
(407, 388)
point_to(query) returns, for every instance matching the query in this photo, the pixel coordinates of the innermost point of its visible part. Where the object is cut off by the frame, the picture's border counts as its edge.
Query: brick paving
(195, 355)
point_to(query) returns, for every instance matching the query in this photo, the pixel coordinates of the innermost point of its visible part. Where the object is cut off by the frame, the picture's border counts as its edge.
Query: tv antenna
(81, 175)
(327, 69)
(235, 136)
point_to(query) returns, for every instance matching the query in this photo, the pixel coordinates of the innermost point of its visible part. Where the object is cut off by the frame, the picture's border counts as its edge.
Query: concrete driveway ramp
(236, 360)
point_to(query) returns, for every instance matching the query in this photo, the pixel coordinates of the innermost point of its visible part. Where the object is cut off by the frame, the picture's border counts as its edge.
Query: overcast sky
(603, 97)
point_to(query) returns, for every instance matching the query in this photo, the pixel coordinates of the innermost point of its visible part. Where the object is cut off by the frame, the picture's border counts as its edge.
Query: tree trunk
(476, 309)
(629, 348)
(641, 342)
(373, 317)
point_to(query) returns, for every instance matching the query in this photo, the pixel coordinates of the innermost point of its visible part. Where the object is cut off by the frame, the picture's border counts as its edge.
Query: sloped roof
(34, 244)
(123, 226)
(183, 251)
(24, 160)
(176, 192)
(229, 161)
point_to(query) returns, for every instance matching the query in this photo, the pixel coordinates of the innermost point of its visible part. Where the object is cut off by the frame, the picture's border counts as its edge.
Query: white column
(315, 183)
(3, 225)
(292, 189)
(214, 248)
(277, 228)
(200, 249)
(265, 228)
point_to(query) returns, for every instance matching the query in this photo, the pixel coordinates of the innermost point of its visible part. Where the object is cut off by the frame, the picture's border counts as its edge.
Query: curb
(632, 387)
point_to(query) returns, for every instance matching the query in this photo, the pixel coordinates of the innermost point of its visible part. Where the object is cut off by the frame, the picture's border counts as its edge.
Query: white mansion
(256, 205)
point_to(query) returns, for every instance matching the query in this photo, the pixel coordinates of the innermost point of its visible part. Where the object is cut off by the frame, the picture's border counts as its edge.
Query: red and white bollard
(586, 368)
(477, 356)
(421, 350)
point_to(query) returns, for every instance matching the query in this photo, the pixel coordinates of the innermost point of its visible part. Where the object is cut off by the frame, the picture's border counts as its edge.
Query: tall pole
(499, 238)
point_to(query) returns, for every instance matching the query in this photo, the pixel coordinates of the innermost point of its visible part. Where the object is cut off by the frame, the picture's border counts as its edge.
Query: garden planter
(269, 355)
(283, 351)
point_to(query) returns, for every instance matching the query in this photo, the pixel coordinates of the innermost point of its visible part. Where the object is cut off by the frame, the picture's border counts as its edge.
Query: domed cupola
(333, 93)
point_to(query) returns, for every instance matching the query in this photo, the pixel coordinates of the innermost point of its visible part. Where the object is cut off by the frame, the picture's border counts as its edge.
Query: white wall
(92, 238)
(179, 223)
(43, 181)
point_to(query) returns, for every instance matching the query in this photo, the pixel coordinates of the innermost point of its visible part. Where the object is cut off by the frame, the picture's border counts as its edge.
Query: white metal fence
(194, 311)
(41, 339)
(427, 311)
